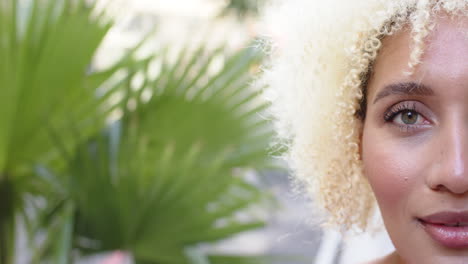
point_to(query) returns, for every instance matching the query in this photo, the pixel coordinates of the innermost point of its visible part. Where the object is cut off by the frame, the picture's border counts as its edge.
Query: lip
(442, 227)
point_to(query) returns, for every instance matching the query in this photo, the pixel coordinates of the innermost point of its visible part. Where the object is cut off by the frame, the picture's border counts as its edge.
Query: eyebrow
(404, 88)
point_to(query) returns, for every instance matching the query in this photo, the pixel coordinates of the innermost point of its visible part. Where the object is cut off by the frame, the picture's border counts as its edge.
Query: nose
(451, 173)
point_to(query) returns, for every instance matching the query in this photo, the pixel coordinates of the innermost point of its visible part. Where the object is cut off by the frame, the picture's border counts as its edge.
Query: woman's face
(415, 144)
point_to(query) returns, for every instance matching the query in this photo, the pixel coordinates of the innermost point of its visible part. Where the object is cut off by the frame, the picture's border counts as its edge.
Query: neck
(392, 258)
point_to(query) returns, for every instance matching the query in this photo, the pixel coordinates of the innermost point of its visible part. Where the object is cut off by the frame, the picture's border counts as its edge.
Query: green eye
(409, 117)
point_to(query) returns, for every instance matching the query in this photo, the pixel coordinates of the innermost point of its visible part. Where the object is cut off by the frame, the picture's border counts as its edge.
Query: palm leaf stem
(7, 221)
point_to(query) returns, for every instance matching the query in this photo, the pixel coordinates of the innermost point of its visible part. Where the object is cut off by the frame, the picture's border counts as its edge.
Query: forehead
(444, 57)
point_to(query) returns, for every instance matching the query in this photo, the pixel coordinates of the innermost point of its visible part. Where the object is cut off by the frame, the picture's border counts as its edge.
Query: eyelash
(391, 113)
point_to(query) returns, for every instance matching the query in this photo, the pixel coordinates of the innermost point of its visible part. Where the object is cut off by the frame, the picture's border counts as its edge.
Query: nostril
(440, 188)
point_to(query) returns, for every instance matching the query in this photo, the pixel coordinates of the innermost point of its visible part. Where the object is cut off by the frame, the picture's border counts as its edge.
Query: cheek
(391, 169)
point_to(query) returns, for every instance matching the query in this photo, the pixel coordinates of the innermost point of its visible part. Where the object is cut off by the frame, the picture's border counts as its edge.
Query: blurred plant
(164, 176)
(167, 174)
(44, 86)
(242, 8)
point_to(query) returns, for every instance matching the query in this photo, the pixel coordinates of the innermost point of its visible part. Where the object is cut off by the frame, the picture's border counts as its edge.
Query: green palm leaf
(41, 87)
(166, 176)
(47, 84)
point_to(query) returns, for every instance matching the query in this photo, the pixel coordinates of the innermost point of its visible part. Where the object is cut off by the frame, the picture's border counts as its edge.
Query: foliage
(242, 8)
(166, 175)
(44, 86)
(163, 176)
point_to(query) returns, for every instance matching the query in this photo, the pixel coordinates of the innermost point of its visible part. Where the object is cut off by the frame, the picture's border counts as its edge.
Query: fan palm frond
(168, 174)
(47, 84)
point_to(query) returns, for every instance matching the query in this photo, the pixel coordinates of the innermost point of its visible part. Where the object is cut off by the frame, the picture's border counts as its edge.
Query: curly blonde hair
(320, 60)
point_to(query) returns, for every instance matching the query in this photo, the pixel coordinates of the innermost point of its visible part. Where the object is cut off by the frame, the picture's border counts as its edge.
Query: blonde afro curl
(321, 55)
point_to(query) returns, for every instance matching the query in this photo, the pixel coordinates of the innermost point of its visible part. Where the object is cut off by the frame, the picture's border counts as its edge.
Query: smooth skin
(415, 139)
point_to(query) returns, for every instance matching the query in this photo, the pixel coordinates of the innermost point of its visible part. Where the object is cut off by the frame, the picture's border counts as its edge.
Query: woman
(371, 97)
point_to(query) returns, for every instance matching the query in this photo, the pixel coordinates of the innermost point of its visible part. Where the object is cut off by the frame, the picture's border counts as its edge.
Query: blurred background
(132, 133)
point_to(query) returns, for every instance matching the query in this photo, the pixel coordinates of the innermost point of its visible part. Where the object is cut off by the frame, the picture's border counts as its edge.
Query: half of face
(415, 143)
